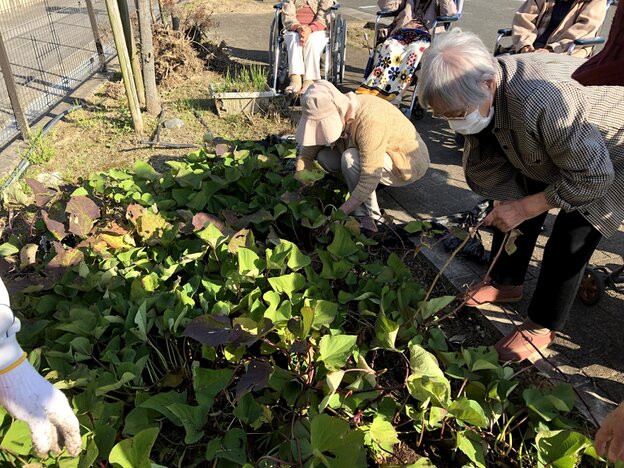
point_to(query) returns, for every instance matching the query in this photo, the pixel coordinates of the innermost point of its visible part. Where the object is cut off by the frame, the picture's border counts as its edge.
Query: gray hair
(453, 70)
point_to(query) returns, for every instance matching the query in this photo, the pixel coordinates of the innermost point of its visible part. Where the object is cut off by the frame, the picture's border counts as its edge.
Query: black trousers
(566, 254)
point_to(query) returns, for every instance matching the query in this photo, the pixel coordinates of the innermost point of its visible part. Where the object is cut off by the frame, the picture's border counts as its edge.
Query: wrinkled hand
(526, 49)
(542, 51)
(350, 205)
(506, 215)
(611, 434)
(304, 34)
(27, 396)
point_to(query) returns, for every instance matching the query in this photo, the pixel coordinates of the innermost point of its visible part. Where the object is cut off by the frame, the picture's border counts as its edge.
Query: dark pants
(569, 248)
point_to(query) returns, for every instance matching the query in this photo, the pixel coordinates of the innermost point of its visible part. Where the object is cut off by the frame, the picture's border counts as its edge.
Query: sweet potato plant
(218, 314)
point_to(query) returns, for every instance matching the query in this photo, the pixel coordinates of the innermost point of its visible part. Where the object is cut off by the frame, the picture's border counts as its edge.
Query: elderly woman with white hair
(365, 139)
(536, 140)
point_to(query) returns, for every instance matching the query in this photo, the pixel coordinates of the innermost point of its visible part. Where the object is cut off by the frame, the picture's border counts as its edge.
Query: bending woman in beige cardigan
(553, 25)
(363, 137)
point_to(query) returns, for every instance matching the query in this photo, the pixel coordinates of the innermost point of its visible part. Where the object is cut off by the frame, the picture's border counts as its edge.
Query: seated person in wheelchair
(366, 139)
(305, 22)
(553, 25)
(397, 57)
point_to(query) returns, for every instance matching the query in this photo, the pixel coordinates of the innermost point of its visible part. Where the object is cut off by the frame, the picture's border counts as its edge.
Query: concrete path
(589, 350)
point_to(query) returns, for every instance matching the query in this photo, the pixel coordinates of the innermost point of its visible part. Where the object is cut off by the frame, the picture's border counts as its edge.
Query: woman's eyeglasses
(467, 111)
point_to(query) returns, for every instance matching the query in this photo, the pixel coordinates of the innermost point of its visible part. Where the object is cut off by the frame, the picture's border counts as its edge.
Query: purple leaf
(215, 330)
(83, 212)
(201, 220)
(42, 194)
(57, 229)
(222, 149)
(256, 377)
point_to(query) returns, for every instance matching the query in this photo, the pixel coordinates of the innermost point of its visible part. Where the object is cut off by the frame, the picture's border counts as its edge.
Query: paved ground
(589, 349)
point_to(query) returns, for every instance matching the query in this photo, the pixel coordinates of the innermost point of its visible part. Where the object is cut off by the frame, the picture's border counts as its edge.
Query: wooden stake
(96, 34)
(147, 56)
(135, 60)
(124, 62)
(9, 80)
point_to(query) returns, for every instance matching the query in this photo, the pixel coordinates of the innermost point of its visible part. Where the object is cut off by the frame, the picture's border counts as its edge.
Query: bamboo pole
(135, 60)
(147, 56)
(124, 62)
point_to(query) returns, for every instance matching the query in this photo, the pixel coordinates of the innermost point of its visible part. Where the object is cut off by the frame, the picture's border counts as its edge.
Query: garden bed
(205, 309)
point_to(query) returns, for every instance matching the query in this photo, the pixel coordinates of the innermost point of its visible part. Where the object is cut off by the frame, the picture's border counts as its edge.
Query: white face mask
(473, 123)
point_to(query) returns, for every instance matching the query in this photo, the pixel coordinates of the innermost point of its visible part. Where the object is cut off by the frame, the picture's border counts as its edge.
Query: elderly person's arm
(289, 15)
(575, 146)
(611, 435)
(524, 26)
(371, 145)
(447, 7)
(306, 158)
(320, 20)
(587, 24)
(390, 5)
(557, 117)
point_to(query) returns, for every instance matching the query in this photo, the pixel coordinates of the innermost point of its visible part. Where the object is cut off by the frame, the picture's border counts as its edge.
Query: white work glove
(27, 396)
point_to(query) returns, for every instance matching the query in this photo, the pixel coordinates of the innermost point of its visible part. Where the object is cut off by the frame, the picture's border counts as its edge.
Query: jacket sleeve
(447, 7)
(587, 24)
(289, 14)
(320, 21)
(489, 173)
(524, 26)
(573, 144)
(391, 5)
(371, 145)
(10, 350)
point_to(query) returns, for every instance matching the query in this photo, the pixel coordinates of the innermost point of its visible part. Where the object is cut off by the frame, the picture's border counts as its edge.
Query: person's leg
(296, 66)
(569, 248)
(510, 270)
(567, 252)
(312, 52)
(410, 58)
(351, 172)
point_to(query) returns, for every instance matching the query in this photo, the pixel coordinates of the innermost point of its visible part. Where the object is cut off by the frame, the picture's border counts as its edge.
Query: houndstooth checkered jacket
(554, 130)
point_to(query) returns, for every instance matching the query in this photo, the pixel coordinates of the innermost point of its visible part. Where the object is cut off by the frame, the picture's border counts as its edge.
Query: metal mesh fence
(52, 50)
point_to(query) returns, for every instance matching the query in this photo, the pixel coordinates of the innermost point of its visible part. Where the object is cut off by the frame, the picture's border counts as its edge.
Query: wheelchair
(333, 59)
(414, 108)
(503, 33)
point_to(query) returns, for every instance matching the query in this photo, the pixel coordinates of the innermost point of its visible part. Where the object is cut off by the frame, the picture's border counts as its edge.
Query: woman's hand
(350, 205)
(526, 49)
(543, 51)
(304, 34)
(611, 433)
(506, 215)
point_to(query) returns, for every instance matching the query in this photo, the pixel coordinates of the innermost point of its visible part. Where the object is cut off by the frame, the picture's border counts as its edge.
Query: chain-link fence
(51, 47)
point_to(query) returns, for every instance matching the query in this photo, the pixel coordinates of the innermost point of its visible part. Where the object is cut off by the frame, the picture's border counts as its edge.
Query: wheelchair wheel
(337, 49)
(342, 51)
(592, 287)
